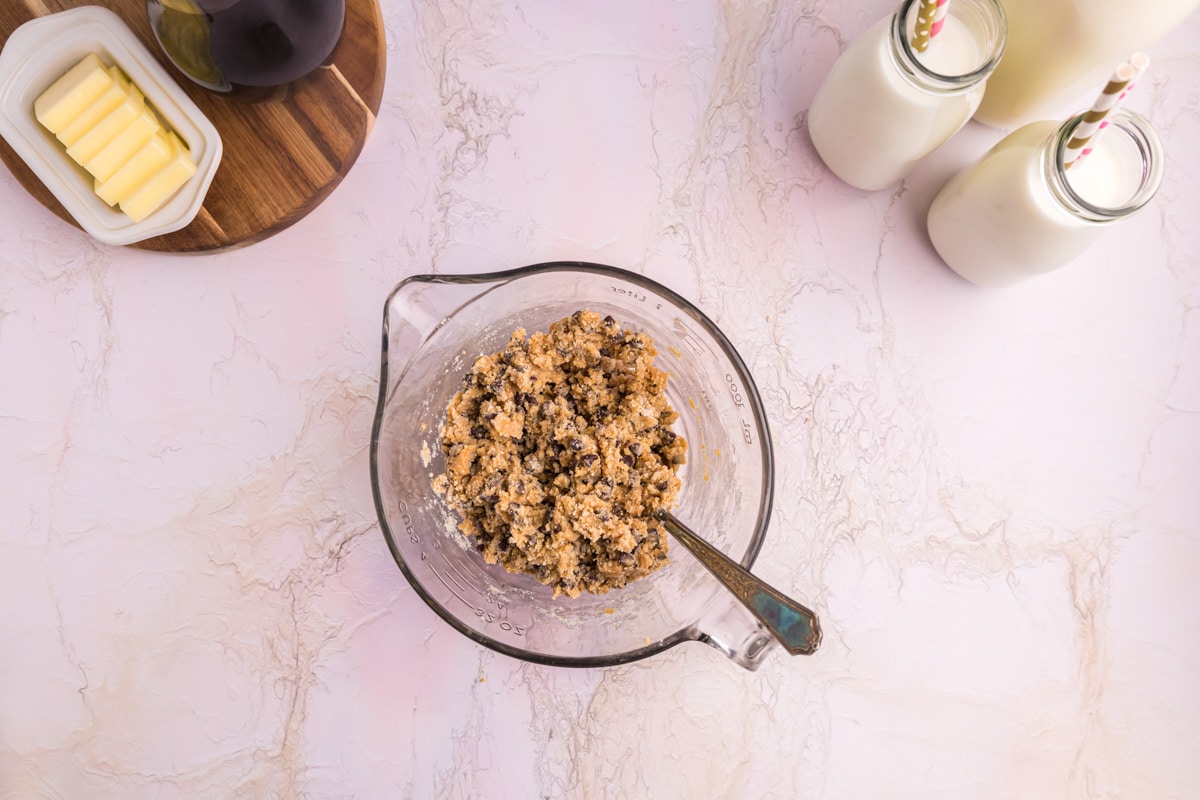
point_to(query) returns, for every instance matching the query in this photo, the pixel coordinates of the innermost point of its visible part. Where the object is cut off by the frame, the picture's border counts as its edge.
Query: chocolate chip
(628, 460)
(479, 432)
(577, 444)
(589, 459)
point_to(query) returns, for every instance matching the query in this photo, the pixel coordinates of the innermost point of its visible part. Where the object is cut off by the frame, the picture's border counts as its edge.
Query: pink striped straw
(1096, 119)
(939, 17)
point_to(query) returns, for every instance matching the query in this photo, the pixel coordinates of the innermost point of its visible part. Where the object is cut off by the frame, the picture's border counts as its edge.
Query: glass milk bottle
(884, 106)
(1058, 49)
(1019, 212)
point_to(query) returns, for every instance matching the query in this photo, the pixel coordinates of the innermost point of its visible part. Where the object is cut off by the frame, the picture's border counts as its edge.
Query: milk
(1018, 213)
(954, 51)
(1108, 177)
(878, 113)
(1060, 52)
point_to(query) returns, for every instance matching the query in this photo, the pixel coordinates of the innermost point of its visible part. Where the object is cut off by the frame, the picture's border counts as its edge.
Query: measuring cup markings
(466, 582)
(633, 294)
(738, 400)
(410, 529)
(480, 612)
(685, 335)
(641, 297)
(461, 585)
(407, 521)
(447, 575)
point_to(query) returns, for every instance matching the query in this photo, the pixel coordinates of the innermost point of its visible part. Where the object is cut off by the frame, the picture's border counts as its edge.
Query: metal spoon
(795, 626)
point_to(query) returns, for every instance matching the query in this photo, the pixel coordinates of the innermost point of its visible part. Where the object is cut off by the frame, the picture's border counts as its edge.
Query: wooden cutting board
(281, 158)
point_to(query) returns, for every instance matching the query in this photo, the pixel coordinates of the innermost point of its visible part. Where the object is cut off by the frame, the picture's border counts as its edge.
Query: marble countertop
(989, 496)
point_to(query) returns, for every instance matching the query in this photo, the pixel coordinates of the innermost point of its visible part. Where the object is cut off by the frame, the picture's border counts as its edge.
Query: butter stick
(67, 97)
(97, 110)
(114, 154)
(147, 198)
(117, 120)
(138, 170)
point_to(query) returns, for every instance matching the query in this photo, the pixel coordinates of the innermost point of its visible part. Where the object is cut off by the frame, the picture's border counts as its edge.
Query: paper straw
(927, 19)
(939, 17)
(1123, 79)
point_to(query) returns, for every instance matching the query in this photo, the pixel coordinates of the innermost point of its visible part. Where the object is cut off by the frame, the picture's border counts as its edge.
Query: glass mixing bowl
(434, 327)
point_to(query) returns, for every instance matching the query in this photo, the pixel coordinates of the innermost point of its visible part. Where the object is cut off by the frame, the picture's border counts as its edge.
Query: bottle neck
(986, 29)
(1132, 155)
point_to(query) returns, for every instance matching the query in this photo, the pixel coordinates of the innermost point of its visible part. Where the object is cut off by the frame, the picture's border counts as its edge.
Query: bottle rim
(1150, 153)
(910, 66)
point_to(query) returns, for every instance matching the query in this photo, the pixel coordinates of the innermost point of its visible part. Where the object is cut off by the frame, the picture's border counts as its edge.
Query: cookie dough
(559, 451)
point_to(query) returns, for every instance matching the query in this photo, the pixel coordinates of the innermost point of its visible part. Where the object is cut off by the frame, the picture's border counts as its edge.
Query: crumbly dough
(559, 452)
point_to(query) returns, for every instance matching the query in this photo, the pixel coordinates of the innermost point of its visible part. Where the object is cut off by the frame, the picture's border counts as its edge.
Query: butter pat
(138, 170)
(107, 129)
(68, 96)
(98, 109)
(125, 144)
(156, 191)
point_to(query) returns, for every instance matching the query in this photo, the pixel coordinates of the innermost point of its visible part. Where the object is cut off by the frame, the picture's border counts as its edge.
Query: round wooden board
(281, 158)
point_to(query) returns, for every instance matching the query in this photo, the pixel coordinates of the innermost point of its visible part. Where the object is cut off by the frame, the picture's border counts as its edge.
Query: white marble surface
(990, 497)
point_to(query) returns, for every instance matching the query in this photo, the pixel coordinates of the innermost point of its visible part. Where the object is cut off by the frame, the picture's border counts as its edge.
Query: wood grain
(281, 157)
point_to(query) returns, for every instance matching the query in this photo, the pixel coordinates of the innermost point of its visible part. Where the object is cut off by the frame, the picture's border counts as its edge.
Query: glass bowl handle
(792, 624)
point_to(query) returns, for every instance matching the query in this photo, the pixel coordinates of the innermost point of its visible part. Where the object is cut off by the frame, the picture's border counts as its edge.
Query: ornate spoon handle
(795, 626)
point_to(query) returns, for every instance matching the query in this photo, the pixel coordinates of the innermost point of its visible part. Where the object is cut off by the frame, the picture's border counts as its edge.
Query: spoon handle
(795, 626)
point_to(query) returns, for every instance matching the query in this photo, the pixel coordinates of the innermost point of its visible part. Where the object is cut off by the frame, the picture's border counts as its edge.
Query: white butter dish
(41, 50)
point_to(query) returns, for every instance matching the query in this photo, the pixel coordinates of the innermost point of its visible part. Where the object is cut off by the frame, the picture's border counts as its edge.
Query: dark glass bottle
(246, 46)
